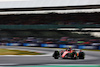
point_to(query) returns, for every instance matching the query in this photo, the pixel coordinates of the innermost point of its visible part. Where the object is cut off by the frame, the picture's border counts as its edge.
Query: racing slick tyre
(81, 55)
(74, 55)
(56, 55)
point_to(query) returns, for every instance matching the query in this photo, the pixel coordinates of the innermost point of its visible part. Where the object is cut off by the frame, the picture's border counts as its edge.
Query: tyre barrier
(54, 45)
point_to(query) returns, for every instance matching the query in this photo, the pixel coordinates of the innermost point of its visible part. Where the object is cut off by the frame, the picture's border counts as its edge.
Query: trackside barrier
(50, 45)
(13, 44)
(99, 47)
(55, 45)
(3, 44)
(87, 47)
(31, 44)
(67, 46)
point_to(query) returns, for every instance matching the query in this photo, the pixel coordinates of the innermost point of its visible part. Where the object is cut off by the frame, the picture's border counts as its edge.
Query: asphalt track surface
(92, 57)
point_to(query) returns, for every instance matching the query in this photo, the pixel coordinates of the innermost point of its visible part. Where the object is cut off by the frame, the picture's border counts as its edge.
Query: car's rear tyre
(81, 55)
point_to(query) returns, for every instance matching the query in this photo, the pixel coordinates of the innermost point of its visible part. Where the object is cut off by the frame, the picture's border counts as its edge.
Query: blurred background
(50, 23)
(80, 28)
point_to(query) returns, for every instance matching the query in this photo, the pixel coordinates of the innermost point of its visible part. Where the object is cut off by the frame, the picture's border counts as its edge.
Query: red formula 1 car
(71, 54)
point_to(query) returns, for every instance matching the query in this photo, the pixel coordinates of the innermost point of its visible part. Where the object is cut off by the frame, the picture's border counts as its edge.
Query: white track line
(7, 64)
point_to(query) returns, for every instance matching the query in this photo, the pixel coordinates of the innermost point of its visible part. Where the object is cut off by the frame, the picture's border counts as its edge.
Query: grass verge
(90, 50)
(18, 52)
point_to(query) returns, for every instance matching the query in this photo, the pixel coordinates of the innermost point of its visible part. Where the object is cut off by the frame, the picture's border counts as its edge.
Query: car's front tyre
(56, 55)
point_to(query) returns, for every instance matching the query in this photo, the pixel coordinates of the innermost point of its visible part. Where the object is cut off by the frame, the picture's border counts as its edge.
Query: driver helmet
(70, 47)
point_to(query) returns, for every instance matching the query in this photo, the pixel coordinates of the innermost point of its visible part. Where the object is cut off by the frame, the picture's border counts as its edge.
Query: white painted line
(4, 64)
(25, 55)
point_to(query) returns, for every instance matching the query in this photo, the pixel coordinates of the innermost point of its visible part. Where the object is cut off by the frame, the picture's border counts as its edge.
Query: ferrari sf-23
(69, 54)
